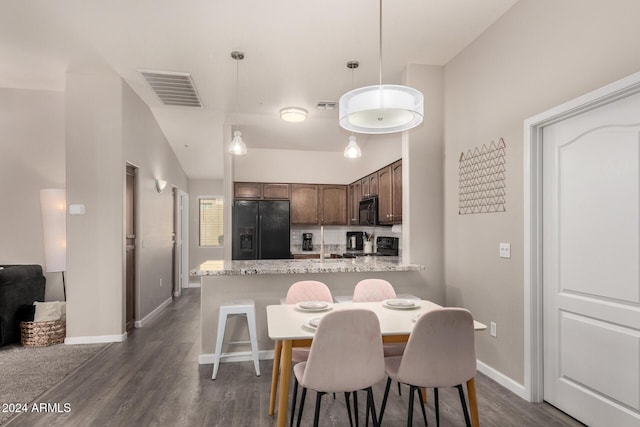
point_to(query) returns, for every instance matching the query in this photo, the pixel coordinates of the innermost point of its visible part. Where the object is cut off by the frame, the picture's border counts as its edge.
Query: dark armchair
(19, 285)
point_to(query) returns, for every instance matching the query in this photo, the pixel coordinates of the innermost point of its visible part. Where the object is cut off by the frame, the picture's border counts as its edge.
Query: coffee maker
(307, 241)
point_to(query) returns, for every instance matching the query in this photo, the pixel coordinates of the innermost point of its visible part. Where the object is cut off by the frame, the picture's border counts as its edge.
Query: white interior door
(591, 264)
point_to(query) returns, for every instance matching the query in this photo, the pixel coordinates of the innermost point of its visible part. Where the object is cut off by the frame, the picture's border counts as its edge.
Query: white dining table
(286, 326)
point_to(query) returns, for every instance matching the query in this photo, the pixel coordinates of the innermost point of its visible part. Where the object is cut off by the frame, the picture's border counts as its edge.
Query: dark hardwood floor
(153, 379)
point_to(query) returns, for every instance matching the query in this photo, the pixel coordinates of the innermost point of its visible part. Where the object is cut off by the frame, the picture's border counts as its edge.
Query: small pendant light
(352, 151)
(237, 146)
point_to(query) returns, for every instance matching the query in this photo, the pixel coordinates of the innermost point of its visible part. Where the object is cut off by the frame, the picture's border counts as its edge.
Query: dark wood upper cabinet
(247, 190)
(385, 195)
(333, 204)
(275, 191)
(390, 195)
(304, 204)
(354, 196)
(370, 185)
(328, 204)
(396, 192)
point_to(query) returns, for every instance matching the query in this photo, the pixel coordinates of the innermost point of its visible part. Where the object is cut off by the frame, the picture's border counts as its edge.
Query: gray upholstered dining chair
(346, 355)
(306, 290)
(371, 290)
(440, 353)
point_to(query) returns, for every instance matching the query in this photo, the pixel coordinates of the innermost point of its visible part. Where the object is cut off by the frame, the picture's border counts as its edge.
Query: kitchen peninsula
(267, 282)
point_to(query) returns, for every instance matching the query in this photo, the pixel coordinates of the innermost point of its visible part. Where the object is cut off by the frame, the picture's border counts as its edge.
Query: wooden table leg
(274, 377)
(473, 402)
(285, 377)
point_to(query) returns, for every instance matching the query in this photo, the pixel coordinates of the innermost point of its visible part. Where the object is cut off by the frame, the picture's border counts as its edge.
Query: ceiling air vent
(326, 105)
(173, 88)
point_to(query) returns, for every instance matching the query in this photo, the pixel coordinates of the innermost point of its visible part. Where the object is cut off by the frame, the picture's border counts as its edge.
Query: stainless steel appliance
(307, 241)
(385, 246)
(355, 240)
(368, 212)
(261, 229)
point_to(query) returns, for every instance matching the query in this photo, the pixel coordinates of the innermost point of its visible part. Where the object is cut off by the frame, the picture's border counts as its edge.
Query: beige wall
(95, 178)
(323, 167)
(31, 158)
(541, 53)
(145, 146)
(200, 188)
(107, 125)
(422, 211)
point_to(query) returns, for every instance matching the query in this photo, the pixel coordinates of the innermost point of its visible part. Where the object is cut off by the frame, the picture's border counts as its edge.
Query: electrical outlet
(505, 250)
(494, 333)
(161, 282)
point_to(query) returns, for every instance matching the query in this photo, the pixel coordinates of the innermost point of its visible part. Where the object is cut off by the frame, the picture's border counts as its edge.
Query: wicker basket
(41, 334)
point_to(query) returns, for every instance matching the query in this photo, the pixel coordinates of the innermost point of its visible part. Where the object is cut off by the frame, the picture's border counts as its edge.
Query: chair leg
(347, 401)
(436, 404)
(464, 405)
(355, 406)
(253, 337)
(412, 393)
(366, 414)
(295, 396)
(222, 322)
(301, 408)
(384, 400)
(424, 413)
(372, 405)
(316, 417)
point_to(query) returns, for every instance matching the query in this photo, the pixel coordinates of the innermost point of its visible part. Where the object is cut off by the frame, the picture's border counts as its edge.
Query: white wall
(317, 167)
(95, 178)
(31, 158)
(145, 146)
(201, 188)
(540, 54)
(422, 202)
(107, 125)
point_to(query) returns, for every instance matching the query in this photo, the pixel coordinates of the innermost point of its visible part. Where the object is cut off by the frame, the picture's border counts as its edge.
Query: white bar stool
(245, 307)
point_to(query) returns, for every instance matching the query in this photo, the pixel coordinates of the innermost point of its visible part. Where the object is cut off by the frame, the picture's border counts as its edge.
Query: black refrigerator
(261, 229)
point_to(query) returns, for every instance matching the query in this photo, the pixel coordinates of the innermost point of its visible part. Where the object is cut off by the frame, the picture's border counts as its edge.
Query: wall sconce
(53, 205)
(160, 184)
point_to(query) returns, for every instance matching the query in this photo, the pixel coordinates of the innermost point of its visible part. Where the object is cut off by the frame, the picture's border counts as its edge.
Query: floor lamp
(53, 204)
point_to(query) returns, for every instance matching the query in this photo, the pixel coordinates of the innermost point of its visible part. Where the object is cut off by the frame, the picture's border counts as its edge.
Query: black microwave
(368, 211)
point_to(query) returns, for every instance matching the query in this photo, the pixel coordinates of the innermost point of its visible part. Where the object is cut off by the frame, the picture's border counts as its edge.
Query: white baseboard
(95, 339)
(502, 379)
(193, 285)
(238, 356)
(140, 323)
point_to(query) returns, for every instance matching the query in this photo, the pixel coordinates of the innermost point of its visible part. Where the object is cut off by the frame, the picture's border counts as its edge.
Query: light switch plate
(505, 250)
(76, 209)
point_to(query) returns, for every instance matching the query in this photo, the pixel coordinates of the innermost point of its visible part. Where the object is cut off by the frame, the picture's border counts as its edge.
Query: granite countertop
(293, 266)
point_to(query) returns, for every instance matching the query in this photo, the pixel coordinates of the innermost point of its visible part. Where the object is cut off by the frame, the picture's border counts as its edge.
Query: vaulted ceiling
(295, 55)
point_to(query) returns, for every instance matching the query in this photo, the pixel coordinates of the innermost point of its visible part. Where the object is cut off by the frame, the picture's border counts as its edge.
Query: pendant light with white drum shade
(382, 108)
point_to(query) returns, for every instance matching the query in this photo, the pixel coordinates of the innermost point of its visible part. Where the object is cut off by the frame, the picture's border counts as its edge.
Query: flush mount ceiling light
(293, 114)
(352, 151)
(237, 146)
(382, 108)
